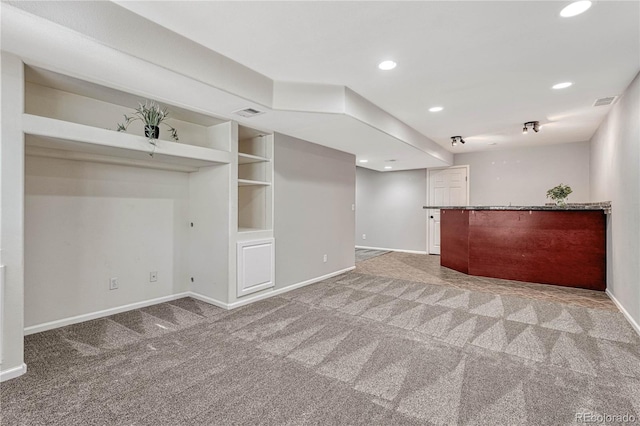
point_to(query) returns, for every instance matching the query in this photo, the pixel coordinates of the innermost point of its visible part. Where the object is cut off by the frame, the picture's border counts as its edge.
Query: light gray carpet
(364, 254)
(354, 350)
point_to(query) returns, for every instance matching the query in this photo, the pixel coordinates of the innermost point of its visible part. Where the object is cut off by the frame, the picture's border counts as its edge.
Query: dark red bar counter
(560, 246)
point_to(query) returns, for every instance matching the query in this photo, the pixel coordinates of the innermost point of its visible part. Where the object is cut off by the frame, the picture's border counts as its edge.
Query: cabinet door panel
(255, 266)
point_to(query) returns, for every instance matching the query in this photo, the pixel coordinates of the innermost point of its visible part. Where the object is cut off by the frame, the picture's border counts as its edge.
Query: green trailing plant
(559, 193)
(152, 115)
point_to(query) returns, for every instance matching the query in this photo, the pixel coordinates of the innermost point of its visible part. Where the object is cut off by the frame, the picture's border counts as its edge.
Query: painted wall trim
(262, 296)
(626, 314)
(12, 373)
(390, 249)
(100, 314)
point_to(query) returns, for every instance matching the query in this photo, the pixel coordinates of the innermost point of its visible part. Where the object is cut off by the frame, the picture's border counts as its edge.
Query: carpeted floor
(427, 269)
(357, 349)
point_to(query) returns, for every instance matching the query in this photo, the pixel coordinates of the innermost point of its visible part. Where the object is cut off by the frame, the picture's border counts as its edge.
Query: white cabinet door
(256, 266)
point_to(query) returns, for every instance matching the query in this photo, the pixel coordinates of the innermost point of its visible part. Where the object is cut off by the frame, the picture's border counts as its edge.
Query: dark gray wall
(313, 194)
(389, 209)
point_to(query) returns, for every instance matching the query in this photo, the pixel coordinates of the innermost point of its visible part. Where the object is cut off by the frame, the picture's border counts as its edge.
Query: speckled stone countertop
(606, 206)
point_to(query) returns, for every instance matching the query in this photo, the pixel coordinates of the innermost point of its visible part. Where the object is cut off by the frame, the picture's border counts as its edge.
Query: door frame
(428, 195)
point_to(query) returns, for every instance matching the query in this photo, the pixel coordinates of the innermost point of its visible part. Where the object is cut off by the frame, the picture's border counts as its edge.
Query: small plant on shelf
(152, 115)
(559, 194)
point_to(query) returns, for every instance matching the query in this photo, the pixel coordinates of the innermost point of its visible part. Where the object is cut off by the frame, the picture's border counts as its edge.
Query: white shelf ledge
(246, 230)
(92, 142)
(248, 158)
(247, 182)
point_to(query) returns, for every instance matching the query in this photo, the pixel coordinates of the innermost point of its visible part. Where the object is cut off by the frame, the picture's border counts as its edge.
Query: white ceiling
(491, 65)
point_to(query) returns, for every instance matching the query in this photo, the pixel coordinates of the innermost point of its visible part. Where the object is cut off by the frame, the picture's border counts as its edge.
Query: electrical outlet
(153, 276)
(353, 207)
(113, 283)
(364, 236)
(324, 258)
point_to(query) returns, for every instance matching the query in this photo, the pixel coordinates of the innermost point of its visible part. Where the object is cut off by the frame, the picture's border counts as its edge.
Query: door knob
(430, 217)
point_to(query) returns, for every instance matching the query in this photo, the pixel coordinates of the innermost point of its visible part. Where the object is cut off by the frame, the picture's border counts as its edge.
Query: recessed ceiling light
(388, 167)
(387, 65)
(364, 161)
(436, 109)
(575, 8)
(562, 85)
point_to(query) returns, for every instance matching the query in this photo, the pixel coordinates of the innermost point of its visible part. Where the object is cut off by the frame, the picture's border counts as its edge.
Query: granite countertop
(606, 206)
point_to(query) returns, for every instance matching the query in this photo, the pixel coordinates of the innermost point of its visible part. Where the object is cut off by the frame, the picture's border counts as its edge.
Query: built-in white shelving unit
(67, 118)
(68, 114)
(221, 238)
(255, 243)
(255, 177)
(81, 142)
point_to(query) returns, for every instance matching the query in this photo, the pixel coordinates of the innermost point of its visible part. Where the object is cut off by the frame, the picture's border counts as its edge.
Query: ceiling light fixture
(364, 161)
(388, 167)
(562, 85)
(387, 65)
(534, 125)
(456, 139)
(436, 109)
(575, 8)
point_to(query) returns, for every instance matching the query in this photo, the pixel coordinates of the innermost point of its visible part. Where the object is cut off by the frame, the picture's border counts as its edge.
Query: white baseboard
(105, 313)
(209, 300)
(288, 288)
(100, 314)
(12, 373)
(248, 300)
(390, 249)
(626, 314)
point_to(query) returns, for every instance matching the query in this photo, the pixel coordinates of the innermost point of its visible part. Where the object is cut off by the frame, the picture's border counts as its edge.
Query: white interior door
(447, 187)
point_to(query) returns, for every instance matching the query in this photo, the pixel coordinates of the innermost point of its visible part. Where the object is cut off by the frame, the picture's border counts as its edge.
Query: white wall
(208, 258)
(87, 222)
(314, 190)
(12, 215)
(389, 209)
(522, 176)
(615, 176)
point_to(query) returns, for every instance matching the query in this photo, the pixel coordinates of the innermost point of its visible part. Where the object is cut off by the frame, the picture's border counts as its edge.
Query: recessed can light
(364, 161)
(388, 167)
(387, 65)
(575, 8)
(436, 109)
(562, 85)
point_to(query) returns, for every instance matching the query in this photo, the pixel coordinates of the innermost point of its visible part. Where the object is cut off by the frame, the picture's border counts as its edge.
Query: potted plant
(152, 115)
(559, 194)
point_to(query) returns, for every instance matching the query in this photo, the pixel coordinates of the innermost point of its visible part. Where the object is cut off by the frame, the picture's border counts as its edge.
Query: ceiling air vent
(605, 101)
(248, 112)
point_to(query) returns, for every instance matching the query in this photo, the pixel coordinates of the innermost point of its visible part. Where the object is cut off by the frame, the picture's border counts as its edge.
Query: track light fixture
(456, 139)
(535, 125)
